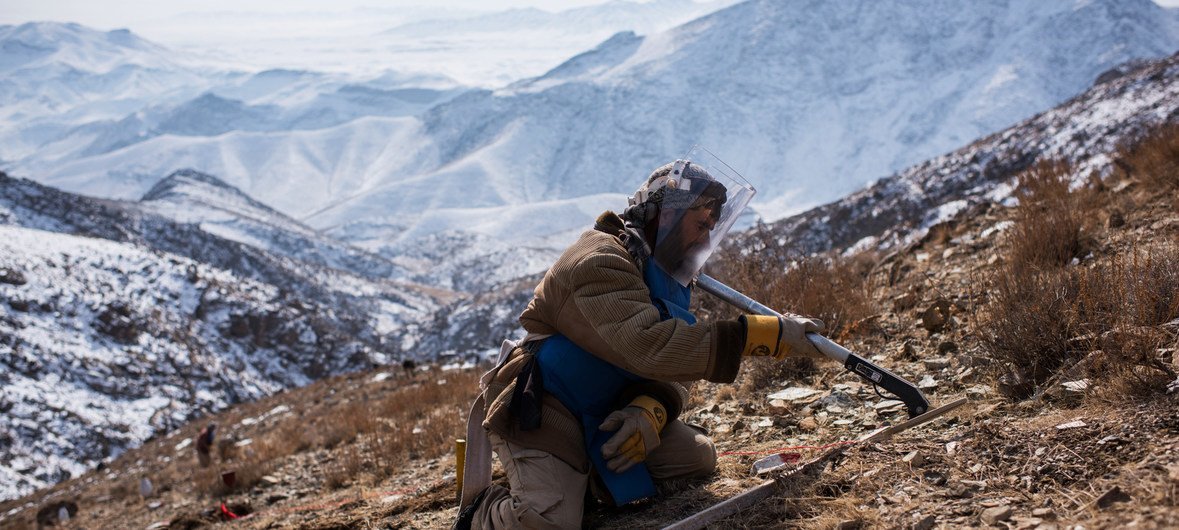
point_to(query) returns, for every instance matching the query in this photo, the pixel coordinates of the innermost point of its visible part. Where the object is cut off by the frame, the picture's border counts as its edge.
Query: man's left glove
(638, 425)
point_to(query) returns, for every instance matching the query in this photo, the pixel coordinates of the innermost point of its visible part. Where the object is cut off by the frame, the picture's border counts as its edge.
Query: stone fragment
(1071, 425)
(926, 523)
(935, 318)
(977, 392)
(934, 477)
(1112, 497)
(808, 424)
(837, 400)
(1044, 513)
(777, 461)
(947, 347)
(936, 363)
(914, 458)
(958, 490)
(12, 276)
(794, 393)
(998, 514)
(904, 302)
(927, 383)
(888, 404)
(951, 448)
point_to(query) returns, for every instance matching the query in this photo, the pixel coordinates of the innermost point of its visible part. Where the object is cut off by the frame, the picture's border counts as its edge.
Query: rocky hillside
(117, 324)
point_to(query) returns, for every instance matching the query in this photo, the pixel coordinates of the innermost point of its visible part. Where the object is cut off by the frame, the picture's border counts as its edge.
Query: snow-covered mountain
(72, 92)
(809, 99)
(1085, 131)
(117, 323)
(191, 197)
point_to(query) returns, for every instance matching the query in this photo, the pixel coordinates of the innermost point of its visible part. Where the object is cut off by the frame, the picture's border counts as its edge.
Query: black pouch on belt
(527, 396)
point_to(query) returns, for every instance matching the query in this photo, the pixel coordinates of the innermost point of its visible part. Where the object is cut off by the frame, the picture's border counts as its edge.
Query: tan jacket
(595, 295)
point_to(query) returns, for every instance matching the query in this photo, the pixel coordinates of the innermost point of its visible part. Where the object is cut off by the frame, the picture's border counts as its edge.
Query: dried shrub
(1124, 306)
(1050, 221)
(1153, 159)
(831, 288)
(1024, 326)
(345, 468)
(1040, 321)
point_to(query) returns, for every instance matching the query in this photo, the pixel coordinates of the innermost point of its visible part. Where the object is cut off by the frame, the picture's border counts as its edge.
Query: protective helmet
(691, 204)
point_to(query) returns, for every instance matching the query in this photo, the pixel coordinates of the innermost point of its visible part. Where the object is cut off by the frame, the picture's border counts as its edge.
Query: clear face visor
(701, 199)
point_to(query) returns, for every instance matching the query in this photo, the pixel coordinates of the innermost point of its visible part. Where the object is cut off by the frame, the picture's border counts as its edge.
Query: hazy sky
(108, 14)
(349, 36)
(111, 14)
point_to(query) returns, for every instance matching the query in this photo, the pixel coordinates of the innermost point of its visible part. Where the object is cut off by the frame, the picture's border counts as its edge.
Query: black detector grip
(904, 390)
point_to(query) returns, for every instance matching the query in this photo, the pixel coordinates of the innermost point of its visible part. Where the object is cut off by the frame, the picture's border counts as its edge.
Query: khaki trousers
(548, 493)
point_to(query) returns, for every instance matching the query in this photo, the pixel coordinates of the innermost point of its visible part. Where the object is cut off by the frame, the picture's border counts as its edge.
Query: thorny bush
(1049, 312)
(1153, 159)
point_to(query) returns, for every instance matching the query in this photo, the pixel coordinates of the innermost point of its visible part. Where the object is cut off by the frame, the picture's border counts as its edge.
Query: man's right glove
(780, 337)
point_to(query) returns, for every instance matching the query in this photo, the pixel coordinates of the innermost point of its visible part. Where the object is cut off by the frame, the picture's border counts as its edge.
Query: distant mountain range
(809, 99)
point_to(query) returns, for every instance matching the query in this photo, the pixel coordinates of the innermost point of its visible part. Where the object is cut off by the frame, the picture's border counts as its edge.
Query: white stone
(793, 393)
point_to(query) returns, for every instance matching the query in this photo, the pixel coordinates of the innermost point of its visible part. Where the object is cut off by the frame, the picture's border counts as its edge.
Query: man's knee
(685, 452)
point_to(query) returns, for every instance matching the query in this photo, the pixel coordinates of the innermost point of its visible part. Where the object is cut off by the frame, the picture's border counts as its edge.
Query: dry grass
(1153, 160)
(1048, 311)
(1052, 222)
(831, 288)
(342, 432)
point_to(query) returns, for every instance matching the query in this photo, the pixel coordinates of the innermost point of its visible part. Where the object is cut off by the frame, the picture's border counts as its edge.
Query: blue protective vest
(589, 386)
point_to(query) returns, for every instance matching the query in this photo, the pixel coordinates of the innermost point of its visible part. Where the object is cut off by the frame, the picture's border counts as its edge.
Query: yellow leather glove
(638, 425)
(780, 337)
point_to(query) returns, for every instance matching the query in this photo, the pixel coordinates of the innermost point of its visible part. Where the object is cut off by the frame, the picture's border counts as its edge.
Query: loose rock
(997, 514)
(937, 363)
(1044, 513)
(12, 276)
(1111, 497)
(935, 318)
